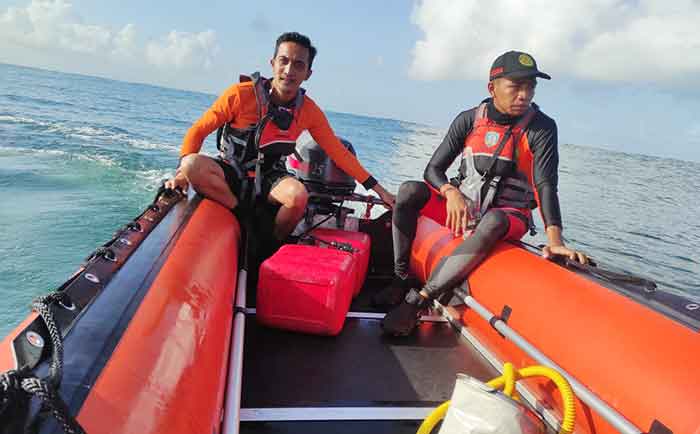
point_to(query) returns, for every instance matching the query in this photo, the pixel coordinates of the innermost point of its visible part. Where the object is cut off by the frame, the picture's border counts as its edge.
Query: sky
(626, 73)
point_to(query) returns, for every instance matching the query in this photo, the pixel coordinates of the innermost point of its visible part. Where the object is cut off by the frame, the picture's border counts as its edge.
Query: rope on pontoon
(22, 385)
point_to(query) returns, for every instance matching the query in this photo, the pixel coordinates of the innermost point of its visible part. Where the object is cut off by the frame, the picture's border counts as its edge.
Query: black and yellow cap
(515, 64)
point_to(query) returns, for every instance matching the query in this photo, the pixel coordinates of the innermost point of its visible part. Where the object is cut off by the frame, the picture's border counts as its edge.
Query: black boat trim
(639, 289)
(117, 309)
(87, 282)
(87, 349)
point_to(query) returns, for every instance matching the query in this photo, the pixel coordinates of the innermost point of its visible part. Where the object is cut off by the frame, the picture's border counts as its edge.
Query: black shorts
(270, 177)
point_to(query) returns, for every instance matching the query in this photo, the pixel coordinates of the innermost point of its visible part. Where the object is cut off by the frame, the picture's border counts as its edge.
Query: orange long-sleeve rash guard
(237, 105)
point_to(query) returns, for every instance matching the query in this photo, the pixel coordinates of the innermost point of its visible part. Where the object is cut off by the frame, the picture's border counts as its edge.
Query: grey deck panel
(359, 367)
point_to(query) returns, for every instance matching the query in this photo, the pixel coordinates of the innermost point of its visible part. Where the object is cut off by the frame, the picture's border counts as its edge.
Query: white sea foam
(33, 151)
(149, 180)
(102, 160)
(21, 120)
(91, 133)
(145, 144)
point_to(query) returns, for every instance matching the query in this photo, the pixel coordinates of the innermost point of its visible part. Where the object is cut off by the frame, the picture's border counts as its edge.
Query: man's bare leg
(207, 178)
(292, 195)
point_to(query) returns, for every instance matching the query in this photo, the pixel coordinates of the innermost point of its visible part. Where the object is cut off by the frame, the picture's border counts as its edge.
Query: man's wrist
(554, 236)
(446, 189)
(370, 183)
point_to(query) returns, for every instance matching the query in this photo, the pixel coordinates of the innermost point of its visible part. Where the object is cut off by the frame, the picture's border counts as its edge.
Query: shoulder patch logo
(491, 138)
(526, 60)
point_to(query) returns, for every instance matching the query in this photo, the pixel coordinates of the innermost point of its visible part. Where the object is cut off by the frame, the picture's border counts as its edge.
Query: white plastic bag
(471, 188)
(477, 408)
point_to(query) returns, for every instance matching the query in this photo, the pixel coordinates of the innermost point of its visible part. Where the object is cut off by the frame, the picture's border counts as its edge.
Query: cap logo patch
(491, 139)
(526, 60)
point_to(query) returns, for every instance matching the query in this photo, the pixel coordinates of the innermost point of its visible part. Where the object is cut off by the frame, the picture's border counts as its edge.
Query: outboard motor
(326, 183)
(317, 171)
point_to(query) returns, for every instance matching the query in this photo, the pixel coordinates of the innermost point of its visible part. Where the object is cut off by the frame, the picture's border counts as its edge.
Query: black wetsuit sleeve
(542, 137)
(450, 148)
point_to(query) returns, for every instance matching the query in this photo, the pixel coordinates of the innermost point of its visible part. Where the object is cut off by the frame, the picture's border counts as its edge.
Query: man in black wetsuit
(509, 166)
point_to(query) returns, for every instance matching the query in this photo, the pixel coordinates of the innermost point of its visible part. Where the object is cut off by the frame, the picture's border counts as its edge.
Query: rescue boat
(189, 321)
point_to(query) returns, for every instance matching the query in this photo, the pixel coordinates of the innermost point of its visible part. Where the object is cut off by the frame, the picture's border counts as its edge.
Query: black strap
(494, 157)
(522, 124)
(649, 286)
(261, 158)
(261, 98)
(345, 247)
(504, 316)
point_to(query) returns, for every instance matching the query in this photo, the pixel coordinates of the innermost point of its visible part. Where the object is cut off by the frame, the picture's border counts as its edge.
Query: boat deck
(358, 381)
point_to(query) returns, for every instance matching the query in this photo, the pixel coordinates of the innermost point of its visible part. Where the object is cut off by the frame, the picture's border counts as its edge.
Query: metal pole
(232, 412)
(617, 420)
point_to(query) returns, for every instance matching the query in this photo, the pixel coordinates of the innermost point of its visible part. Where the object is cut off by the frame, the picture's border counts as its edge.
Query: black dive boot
(403, 319)
(395, 292)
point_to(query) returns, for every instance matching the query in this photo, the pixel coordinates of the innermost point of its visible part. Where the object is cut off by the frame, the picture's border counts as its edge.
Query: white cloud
(125, 41)
(645, 40)
(183, 50)
(53, 25)
(694, 132)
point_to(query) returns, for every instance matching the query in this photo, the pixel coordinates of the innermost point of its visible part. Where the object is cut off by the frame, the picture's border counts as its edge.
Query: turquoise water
(80, 156)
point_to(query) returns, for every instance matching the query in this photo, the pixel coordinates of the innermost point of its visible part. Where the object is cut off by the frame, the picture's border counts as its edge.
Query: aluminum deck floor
(358, 381)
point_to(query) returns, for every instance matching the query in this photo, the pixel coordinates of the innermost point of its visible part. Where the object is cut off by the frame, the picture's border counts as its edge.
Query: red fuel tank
(359, 241)
(306, 289)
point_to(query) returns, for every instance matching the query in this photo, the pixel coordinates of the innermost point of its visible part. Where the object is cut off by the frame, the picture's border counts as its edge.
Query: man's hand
(457, 214)
(549, 251)
(179, 181)
(555, 246)
(385, 196)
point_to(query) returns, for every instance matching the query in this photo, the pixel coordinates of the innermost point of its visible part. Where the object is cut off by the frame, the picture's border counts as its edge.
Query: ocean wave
(112, 135)
(421, 129)
(16, 150)
(37, 101)
(21, 120)
(143, 179)
(100, 159)
(150, 180)
(146, 145)
(91, 133)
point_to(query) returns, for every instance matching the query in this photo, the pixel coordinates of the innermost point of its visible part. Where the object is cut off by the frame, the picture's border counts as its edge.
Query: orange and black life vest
(262, 144)
(500, 157)
(274, 134)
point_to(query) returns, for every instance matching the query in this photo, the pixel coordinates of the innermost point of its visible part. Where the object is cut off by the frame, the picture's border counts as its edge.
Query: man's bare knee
(290, 193)
(299, 196)
(188, 164)
(198, 169)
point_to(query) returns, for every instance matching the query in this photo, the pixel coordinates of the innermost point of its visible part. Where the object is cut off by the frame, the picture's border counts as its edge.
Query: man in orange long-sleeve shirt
(239, 106)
